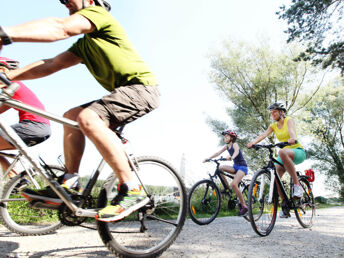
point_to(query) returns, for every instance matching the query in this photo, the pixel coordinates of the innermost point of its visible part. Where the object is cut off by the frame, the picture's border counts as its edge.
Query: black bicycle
(205, 196)
(263, 196)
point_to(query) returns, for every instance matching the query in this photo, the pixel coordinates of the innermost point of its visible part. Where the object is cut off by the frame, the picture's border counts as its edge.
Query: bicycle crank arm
(90, 213)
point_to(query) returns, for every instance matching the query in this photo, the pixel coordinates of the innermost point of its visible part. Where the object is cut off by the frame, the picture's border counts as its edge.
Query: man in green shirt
(110, 57)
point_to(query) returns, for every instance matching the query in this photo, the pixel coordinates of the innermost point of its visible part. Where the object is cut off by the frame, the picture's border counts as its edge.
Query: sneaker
(282, 215)
(297, 191)
(123, 204)
(243, 212)
(70, 183)
(46, 195)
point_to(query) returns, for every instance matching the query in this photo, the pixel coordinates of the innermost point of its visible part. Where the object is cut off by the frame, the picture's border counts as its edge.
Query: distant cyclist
(239, 167)
(284, 129)
(32, 129)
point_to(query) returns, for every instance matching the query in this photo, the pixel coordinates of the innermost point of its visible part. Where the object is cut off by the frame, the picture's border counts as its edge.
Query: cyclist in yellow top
(284, 129)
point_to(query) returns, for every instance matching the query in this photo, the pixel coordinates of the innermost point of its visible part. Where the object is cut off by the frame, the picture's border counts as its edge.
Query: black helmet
(103, 4)
(277, 105)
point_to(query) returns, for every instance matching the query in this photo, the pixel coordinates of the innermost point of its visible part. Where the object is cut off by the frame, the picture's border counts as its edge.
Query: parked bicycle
(147, 232)
(205, 196)
(263, 196)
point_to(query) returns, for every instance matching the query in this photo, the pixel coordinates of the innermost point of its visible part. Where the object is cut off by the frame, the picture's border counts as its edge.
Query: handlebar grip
(10, 90)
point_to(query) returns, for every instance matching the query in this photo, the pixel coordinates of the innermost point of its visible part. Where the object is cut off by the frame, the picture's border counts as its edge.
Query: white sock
(132, 185)
(70, 180)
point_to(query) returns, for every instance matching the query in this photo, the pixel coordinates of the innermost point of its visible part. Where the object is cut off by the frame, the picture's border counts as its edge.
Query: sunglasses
(64, 1)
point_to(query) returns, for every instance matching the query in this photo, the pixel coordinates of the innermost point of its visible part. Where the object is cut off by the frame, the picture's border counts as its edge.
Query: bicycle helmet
(231, 133)
(9, 63)
(278, 106)
(103, 4)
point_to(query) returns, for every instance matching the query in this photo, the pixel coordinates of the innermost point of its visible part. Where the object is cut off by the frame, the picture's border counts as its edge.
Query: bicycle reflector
(310, 174)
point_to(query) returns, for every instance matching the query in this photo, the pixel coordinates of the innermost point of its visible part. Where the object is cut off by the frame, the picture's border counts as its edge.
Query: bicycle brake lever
(10, 90)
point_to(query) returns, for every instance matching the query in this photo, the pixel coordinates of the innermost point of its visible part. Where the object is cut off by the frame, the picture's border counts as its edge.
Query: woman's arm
(291, 130)
(261, 137)
(236, 150)
(216, 154)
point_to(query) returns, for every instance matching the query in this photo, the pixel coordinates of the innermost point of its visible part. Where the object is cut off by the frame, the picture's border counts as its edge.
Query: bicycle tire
(18, 216)
(204, 202)
(164, 216)
(262, 214)
(305, 210)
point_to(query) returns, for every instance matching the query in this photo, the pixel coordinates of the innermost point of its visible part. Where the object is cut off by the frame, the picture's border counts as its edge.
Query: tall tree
(250, 78)
(317, 24)
(325, 116)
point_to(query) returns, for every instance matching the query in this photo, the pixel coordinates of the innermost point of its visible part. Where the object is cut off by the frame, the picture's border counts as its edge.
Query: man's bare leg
(73, 142)
(107, 143)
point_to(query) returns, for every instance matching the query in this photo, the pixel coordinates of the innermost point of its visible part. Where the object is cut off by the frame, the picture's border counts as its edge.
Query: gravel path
(225, 237)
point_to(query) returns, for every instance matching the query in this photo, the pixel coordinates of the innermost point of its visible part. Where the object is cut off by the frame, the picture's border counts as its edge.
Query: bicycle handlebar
(216, 160)
(270, 146)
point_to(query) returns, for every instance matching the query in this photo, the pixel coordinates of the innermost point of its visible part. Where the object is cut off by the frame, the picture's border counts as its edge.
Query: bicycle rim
(164, 217)
(18, 216)
(305, 210)
(204, 202)
(262, 212)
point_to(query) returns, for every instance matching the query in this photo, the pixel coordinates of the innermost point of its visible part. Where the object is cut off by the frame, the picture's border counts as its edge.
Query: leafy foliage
(317, 23)
(325, 116)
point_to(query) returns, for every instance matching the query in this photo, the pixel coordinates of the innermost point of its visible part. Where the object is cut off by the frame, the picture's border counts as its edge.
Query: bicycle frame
(17, 158)
(5, 98)
(218, 172)
(274, 178)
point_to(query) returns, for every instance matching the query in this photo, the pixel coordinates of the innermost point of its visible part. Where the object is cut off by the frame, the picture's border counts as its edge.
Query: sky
(175, 38)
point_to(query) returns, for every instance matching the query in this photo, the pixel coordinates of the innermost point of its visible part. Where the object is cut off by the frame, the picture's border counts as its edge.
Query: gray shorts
(125, 104)
(30, 132)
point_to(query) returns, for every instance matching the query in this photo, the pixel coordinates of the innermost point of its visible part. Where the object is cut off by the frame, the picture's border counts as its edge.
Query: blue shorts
(242, 168)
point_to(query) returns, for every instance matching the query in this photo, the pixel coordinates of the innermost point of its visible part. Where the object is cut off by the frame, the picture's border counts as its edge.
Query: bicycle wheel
(204, 202)
(150, 230)
(305, 210)
(262, 211)
(18, 215)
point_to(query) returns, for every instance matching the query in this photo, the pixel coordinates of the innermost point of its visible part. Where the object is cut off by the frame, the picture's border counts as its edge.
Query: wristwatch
(6, 40)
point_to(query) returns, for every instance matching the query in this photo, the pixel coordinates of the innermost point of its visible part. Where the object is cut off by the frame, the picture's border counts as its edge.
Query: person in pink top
(32, 129)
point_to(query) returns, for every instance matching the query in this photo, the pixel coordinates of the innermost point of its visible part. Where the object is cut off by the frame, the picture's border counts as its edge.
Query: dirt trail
(225, 237)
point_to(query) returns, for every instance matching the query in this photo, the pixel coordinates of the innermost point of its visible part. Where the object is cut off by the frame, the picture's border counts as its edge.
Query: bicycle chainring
(67, 217)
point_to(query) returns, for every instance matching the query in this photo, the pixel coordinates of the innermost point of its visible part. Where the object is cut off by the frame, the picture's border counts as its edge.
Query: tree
(325, 116)
(317, 23)
(252, 77)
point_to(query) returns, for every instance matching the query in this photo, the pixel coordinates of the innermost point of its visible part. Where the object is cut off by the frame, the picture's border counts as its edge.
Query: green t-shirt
(108, 53)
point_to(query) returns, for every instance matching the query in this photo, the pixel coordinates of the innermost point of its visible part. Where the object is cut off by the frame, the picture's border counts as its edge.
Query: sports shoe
(297, 191)
(282, 215)
(46, 195)
(70, 183)
(123, 204)
(243, 211)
